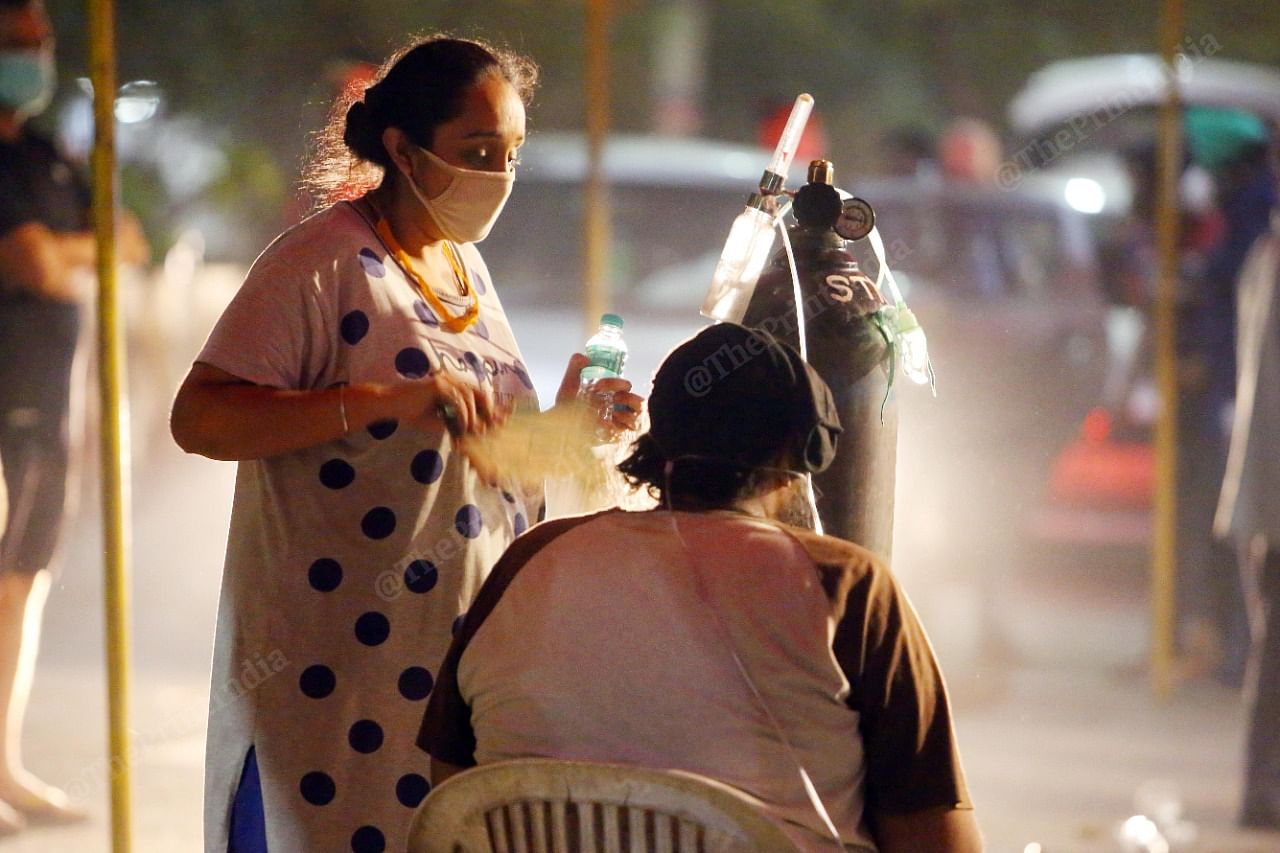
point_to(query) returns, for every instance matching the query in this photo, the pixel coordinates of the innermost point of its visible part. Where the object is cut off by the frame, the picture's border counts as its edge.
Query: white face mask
(468, 207)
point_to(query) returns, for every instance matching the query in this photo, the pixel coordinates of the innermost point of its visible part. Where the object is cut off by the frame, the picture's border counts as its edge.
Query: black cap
(742, 396)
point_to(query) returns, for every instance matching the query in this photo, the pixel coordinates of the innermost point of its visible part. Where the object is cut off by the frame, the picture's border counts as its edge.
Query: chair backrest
(539, 805)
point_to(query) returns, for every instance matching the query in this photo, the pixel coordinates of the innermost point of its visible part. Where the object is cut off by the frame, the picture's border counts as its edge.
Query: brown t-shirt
(605, 638)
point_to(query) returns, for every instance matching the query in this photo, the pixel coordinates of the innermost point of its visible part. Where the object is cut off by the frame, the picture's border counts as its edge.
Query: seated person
(710, 637)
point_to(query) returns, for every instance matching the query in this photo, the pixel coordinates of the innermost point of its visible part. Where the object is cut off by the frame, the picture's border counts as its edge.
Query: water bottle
(607, 351)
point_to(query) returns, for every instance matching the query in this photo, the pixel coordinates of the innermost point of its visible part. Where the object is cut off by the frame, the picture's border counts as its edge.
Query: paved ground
(1058, 734)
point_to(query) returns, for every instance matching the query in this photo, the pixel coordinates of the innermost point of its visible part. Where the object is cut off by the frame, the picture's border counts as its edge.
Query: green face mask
(27, 79)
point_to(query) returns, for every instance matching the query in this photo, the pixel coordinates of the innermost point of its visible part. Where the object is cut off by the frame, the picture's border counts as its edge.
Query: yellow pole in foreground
(1164, 548)
(115, 434)
(595, 196)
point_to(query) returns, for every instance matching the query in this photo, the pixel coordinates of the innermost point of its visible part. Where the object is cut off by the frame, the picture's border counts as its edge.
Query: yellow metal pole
(114, 426)
(1164, 549)
(595, 197)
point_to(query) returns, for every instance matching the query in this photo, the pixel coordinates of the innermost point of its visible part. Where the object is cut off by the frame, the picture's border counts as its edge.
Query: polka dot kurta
(348, 564)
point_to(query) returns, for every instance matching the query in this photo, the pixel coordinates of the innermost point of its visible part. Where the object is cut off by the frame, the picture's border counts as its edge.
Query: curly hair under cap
(703, 481)
(417, 89)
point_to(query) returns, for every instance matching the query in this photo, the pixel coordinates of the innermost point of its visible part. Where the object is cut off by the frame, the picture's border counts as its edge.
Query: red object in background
(1096, 471)
(813, 143)
(1104, 475)
(1099, 492)
(969, 150)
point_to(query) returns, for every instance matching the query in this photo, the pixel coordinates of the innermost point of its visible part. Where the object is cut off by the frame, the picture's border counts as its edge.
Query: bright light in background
(1085, 195)
(1141, 835)
(137, 101)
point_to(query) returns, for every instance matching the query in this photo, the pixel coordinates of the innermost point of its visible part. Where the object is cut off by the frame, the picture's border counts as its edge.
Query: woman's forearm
(221, 416)
(241, 421)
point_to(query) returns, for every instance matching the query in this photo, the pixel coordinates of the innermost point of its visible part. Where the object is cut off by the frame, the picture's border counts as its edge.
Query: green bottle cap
(611, 320)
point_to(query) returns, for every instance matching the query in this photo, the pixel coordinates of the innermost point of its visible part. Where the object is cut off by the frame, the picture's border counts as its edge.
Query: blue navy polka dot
(413, 363)
(365, 736)
(478, 282)
(415, 683)
(337, 474)
(424, 313)
(457, 624)
(354, 327)
(317, 788)
(372, 263)
(508, 497)
(383, 429)
(317, 682)
(378, 523)
(372, 629)
(411, 790)
(427, 467)
(467, 521)
(521, 524)
(420, 576)
(368, 839)
(325, 575)
(523, 374)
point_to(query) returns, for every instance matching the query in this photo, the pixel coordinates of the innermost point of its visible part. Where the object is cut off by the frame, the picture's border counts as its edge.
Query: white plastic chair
(539, 805)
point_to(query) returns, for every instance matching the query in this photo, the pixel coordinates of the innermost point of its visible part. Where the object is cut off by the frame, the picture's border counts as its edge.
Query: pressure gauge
(856, 219)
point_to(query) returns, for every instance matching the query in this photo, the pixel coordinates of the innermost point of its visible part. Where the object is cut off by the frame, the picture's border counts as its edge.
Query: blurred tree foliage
(261, 71)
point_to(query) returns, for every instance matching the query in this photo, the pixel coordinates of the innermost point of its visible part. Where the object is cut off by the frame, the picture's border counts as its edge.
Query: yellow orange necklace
(448, 322)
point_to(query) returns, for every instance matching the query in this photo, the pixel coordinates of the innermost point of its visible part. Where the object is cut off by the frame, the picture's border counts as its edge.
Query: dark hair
(417, 89)
(16, 4)
(704, 482)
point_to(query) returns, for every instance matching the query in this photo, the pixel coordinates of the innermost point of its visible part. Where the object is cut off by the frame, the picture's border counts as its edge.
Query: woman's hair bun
(362, 135)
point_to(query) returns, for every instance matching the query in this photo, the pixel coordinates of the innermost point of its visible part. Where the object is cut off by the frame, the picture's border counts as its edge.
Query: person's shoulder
(319, 239)
(524, 550)
(833, 550)
(544, 532)
(841, 564)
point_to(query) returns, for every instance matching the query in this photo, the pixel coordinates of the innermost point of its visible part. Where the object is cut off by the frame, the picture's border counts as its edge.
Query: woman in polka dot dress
(362, 341)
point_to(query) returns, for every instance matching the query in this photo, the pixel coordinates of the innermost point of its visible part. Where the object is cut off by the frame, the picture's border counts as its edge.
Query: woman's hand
(614, 408)
(463, 408)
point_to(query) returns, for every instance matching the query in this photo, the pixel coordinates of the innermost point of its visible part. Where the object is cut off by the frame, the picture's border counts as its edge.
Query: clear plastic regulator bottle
(751, 236)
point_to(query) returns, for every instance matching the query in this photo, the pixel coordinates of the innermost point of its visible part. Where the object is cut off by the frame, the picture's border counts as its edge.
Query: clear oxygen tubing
(700, 583)
(810, 494)
(911, 340)
(884, 274)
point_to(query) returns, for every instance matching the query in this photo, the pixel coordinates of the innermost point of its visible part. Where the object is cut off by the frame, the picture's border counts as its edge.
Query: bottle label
(605, 361)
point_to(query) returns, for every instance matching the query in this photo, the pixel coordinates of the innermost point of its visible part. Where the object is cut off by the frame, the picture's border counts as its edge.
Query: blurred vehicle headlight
(1085, 195)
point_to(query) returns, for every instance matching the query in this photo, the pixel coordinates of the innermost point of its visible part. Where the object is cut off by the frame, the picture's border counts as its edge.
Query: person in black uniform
(46, 261)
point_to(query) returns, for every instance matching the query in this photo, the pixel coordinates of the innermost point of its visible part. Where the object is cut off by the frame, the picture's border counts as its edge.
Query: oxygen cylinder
(855, 494)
